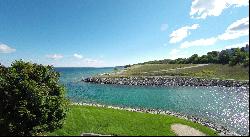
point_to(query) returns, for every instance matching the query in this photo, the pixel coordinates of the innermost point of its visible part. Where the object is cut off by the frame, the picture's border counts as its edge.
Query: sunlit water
(226, 106)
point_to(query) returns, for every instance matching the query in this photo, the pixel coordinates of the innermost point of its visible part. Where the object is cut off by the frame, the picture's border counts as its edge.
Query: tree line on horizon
(231, 56)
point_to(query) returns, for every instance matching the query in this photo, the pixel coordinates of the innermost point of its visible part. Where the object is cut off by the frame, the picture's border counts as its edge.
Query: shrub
(246, 62)
(31, 99)
(127, 66)
(116, 69)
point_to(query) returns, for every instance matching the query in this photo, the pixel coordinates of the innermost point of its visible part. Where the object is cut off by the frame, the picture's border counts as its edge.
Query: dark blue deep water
(226, 106)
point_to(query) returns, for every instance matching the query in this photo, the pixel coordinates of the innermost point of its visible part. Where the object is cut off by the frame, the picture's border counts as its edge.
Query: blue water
(226, 106)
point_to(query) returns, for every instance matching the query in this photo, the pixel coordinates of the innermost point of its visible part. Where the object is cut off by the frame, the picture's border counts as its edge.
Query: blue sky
(99, 33)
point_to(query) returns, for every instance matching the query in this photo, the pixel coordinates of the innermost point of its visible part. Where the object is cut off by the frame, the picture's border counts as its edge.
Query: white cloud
(176, 53)
(89, 60)
(239, 45)
(78, 56)
(92, 62)
(84, 62)
(237, 29)
(238, 3)
(164, 27)
(55, 56)
(200, 42)
(201, 9)
(76, 60)
(6, 49)
(181, 33)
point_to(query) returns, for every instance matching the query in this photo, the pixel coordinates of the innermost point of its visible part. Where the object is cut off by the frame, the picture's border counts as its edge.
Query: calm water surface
(226, 106)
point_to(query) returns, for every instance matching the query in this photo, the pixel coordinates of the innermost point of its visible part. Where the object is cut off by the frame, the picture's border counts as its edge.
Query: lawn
(86, 119)
(219, 71)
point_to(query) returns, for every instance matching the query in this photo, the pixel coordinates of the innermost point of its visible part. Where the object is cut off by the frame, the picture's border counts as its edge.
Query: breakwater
(166, 81)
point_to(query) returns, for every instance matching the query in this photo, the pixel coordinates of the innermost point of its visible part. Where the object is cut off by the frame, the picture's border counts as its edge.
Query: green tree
(224, 57)
(238, 57)
(194, 59)
(246, 62)
(116, 69)
(127, 66)
(203, 59)
(172, 62)
(213, 57)
(31, 99)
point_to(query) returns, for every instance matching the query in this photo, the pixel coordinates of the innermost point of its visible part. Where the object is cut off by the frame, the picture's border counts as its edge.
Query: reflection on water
(226, 106)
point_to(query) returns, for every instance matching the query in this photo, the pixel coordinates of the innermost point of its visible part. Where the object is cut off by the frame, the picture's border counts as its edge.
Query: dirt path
(165, 70)
(195, 66)
(92, 134)
(183, 130)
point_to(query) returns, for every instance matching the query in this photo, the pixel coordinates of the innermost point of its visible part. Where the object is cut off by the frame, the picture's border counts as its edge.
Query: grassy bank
(208, 71)
(151, 68)
(119, 122)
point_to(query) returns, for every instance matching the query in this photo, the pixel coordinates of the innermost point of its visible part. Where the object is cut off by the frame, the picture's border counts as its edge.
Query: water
(226, 106)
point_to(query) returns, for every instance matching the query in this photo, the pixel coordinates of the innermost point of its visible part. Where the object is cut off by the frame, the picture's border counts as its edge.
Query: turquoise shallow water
(226, 106)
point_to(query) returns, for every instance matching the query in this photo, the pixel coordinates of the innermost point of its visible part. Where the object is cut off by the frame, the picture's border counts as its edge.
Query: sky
(103, 33)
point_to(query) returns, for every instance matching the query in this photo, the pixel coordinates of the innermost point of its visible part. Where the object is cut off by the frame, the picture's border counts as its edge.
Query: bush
(31, 99)
(127, 66)
(246, 62)
(116, 69)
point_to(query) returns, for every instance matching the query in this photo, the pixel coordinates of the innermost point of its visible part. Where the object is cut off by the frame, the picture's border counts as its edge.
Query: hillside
(237, 72)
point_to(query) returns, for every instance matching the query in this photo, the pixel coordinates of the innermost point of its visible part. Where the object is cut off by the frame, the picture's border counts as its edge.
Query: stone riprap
(166, 81)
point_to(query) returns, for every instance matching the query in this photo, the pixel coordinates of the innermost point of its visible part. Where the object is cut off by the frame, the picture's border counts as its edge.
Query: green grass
(216, 71)
(150, 68)
(85, 119)
(219, 71)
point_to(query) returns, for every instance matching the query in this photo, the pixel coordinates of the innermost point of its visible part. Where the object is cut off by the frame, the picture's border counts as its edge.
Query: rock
(167, 81)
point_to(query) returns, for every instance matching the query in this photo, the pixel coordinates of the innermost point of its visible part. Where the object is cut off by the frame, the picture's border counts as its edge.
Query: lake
(226, 106)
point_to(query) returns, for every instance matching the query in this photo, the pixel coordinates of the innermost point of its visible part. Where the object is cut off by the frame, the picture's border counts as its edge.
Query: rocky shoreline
(166, 81)
(220, 129)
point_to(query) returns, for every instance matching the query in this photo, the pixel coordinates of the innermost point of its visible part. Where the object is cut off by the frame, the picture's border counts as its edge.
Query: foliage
(203, 59)
(246, 62)
(31, 100)
(127, 66)
(224, 57)
(233, 57)
(194, 59)
(85, 119)
(213, 57)
(238, 57)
